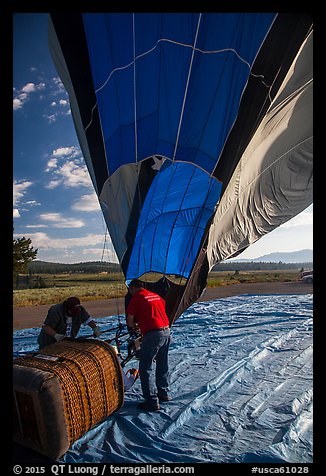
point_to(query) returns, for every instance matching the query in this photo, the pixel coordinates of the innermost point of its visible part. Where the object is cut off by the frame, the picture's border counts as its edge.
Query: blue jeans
(155, 345)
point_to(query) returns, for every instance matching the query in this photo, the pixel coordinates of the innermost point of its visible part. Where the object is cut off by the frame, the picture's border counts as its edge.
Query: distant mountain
(302, 256)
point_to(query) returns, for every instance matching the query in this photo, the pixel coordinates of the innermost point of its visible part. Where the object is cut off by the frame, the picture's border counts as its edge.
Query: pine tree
(23, 254)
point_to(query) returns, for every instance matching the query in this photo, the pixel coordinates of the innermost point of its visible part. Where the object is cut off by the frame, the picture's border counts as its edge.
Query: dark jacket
(56, 319)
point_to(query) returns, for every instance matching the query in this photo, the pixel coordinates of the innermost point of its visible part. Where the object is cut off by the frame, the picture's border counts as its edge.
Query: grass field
(50, 289)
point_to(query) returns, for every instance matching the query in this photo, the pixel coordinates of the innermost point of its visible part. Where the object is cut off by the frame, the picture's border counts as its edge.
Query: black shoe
(149, 407)
(164, 398)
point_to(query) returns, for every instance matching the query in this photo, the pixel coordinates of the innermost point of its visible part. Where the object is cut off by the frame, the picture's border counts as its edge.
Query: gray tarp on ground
(241, 383)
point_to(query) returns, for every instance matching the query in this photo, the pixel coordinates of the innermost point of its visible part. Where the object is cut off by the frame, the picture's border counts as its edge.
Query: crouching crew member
(64, 320)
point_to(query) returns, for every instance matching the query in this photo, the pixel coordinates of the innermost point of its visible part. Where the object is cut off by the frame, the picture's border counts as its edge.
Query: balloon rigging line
(178, 43)
(135, 101)
(186, 89)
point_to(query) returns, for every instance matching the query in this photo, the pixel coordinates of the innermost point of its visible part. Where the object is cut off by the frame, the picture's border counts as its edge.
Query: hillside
(302, 256)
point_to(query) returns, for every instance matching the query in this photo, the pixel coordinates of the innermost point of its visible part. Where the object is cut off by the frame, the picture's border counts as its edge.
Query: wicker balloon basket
(63, 391)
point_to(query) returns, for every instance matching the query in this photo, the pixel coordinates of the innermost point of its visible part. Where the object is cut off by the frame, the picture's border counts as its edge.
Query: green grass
(92, 287)
(225, 278)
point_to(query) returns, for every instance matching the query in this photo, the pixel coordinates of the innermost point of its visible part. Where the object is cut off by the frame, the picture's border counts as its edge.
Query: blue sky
(54, 200)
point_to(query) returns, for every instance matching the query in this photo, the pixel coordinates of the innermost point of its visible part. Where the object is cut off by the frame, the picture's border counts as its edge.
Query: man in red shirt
(146, 310)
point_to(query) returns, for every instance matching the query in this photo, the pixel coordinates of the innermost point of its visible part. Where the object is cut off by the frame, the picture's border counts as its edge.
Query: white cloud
(17, 103)
(303, 219)
(28, 88)
(53, 184)
(95, 254)
(23, 94)
(75, 175)
(36, 226)
(70, 174)
(86, 203)
(63, 112)
(52, 164)
(63, 152)
(32, 202)
(58, 85)
(62, 102)
(40, 86)
(285, 238)
(67, 168)
(94, 251)
(19, 189)
(42, 241)
(58, 221)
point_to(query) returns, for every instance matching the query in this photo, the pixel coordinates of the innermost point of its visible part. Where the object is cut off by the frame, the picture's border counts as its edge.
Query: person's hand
(59, 337)
(96, 331)
(133, 331)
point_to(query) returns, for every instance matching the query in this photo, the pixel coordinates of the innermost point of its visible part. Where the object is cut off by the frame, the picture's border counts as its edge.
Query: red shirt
(148, 310)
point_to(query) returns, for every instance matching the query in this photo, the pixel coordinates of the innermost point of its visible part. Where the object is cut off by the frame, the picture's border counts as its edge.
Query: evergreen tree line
(259, 266)
(24, 261)
(44, 267)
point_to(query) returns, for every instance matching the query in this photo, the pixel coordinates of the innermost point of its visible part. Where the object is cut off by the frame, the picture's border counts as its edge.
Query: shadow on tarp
(241, 387)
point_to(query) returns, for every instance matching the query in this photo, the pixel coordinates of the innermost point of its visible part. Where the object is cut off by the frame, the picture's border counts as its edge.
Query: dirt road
(33, 316)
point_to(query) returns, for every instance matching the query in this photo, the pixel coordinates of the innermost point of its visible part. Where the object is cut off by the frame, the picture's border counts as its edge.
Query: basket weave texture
(90, 378)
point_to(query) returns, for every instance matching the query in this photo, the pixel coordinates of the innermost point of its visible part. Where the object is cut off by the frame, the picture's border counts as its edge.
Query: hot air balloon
(196, 129)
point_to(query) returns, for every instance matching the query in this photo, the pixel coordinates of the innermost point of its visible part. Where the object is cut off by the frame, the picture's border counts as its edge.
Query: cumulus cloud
(57, 86)
(32, 203)
(75, 175)
(70, 174)
(86, 203)
(37, 226)
(19, 189)
(19, 101)
(61, 107)
(22, 95)
(58, 221)
(303, 219)
(54, 87)
(42, 241)
(28, 88)
(53, 184)
(67, 168)
(96, 254)
(66, 151)
(52, 164)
